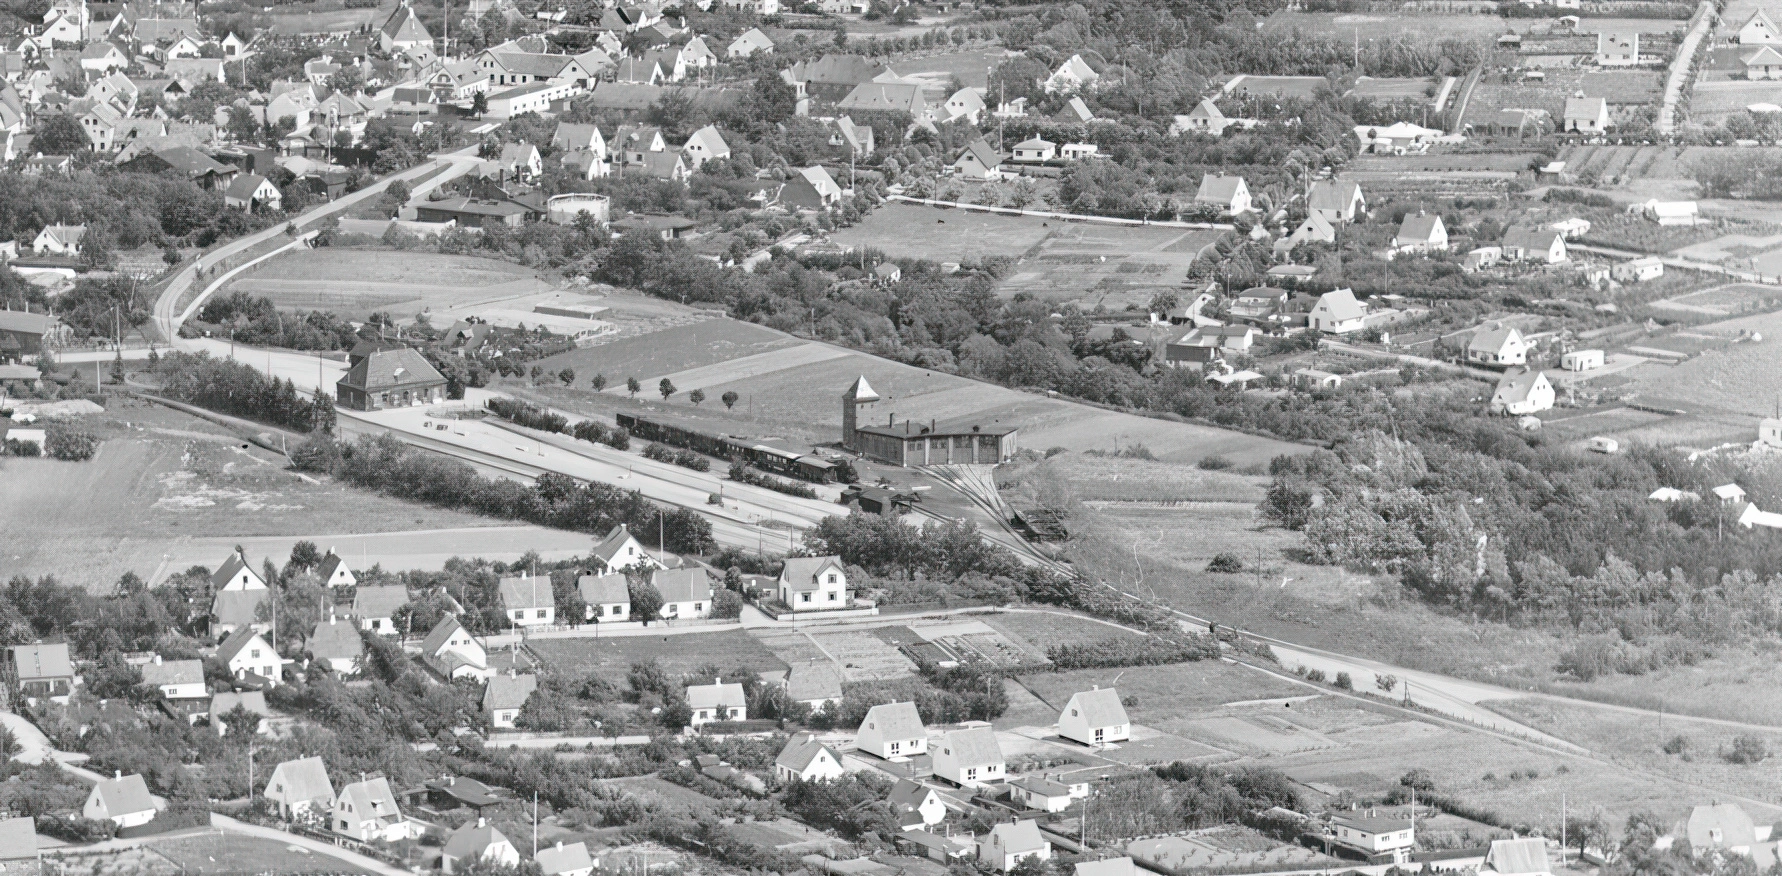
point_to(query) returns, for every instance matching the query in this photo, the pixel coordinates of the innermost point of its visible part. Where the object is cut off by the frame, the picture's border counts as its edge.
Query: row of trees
(231, 387)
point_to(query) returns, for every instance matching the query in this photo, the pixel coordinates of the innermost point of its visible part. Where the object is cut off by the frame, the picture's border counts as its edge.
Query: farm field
(943, 235)
(1716, 99)
(1417, 26)
(1166, 694)
(221, 854)
(672, 350)
(1106, 266)
(1040, 630)
(1720, 380)
(678, 655)
(163, 478)
(1726, 300)
(1494, 93)
(356, 283)
(972, 67)
(1112, 478)
(1642, 25)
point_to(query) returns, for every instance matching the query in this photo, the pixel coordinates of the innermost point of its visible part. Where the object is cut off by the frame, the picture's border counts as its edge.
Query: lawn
(680, 654)
(650, 356)
(163, 476)
(1283, 86)
(354, 283)
(220, 854)
(1418, 27)
(1045, 629)
(972, 67)
(1393, 89)
(943, 235)
(1166, 695)
(1122, 479)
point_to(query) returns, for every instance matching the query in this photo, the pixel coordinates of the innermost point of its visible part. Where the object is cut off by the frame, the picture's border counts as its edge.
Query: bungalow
(453, 651)
(249, 658)
(1041, 793)
(605, 598)
(505, 697)
(366, 811)
(1573, 228)
(751, 41)
(1586, 115)
(1543, 245)
(252, 190)
(375, 607)
(1523, 856)
(336, 645)
(814, 683)
(1759, 30)
(59, 240)
(562, 860)
(300, 786)
(1497, 347)
(1375, 836)
(978, 161)
(1095, 718)
(1581, 360)
(478, 843)
(806, 759)
(892, 731)
(686, 593)
(122, 800)
(176, 679)
(1481, 258)
(813, 583)
(1229, 193)
(1336, 200)
(1637, 270)
(1522, 392)
(529, 601)
(1205, 118)
(1421, 232)
(536, 97)
(1073, 75)
(970, 758)
(1617, 48)
(1765, 63)
(716, 702)
(1007, 845)
(936, 847)
(1667, 212)
(1078, 151)
(1337, 313)
(1035, 150)
(1396, 138)
(916, 805)
(44, 671)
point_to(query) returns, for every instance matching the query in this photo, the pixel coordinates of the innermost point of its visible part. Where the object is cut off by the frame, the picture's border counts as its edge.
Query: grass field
(326, 16)
(220, 854)
(1720, 379)
(942, 235)
(162, 476)
(1394, 89)
(1716, 99)
(355, 283)
(1618, 87)
(1106, 266)
(611, 658)
(1416, 26)
(1165, 694)
(1110, 478)
(1042, 630)
(972, 67)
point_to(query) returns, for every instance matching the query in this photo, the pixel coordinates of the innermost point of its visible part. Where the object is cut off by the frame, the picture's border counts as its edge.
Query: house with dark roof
(813, 583)
(1522, 391)
(970, 757)
(1497, 347)
(528, 600)
(619, 550)
(236, 574)
(1007, 845)
(1541, 245)
(1095, 718)
(391, 378)
(299, 786)
(22, 334)
(1041, 793)
(122, 800)
(606, 598)
(44, 670)
(176, 679)
(686, 593)
(233, 610)
(892, 731)
(892, 97)
(186, 163)
(252, 702)
(977, 161)
(806, 759)
(815, 683)
(403, 30)
(334, 571)
(250, 191)
(810, 188)
(250, 659)
(831, 77)
(375, 607)
(916, 806)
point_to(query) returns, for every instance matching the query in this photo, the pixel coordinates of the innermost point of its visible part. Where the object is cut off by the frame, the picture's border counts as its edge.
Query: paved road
(167, 318)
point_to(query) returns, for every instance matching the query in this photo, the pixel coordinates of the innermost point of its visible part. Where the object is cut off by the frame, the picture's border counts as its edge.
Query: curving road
(167, 317)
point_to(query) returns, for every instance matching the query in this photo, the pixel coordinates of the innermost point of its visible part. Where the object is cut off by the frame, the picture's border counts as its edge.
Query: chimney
(559, 845)
(891, 419)
(117, 774)
(157, 660)
(481, 821)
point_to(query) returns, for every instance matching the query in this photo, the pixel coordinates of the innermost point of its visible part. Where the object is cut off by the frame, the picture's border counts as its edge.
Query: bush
(742, 473)
(1214, 463)
(1747, 748)
(1226, 562)
(677, 456)
(532, 417)
(71, 446)
(1344, 682)
(1677, 744)
(727, 604)
(615, 437)
(1131, 651)
(16, 447)
(1315, 675)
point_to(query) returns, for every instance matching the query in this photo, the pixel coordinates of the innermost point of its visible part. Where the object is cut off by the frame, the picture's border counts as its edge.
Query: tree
(632, 386)
(304, 556)
(666, 387)
(599, 382)
(696, 396)
(1386, 683)
(1747, 748)
(61, 135)
(567, 375)
(730, 399)
(646, 601)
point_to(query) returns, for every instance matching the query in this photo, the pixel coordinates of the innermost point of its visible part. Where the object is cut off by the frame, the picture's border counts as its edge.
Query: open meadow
(1422, 27)
(941, 234)
(355, 283)
(1720, 380)
(325, 17)
(221, 854)
(972, 67)
(163, 479)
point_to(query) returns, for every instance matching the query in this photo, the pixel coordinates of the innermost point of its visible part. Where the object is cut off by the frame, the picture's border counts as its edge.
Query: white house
(705, 144)
(1588, 115)
(916, 805)
(300, 786)
(505, 696)
(807, 759)
(336, 645)
(176, 679)
(813, 583)
(892, 731)
(562, 860)
(1637, 270)
(1041, 793)
(1336, 200)
(1544, 245)
(1229, 193)
(1523, 856)
(245, 653)
(1501, 346)
(1420, 232)
(1073, 75)
(717, 702)
(1617, 48)
(1122, 866)
(1581, 360)
(367, 811)
(123, 800)
(814, 683)
(752, 40)
(1035, 150)
(477, 841)
(454, 652)
(529, 600)
(1205, 118)
(1759, 30)
(1095, 718)
(1337, 313)
(1667, 212)
(1522, 392)
(59, 240)
(686, 593)
(1375, 834)
(375, 607)
(606, 598)
(1007, 845)
(620, 550)
(970, 757)
(335, 572)
(236, 574)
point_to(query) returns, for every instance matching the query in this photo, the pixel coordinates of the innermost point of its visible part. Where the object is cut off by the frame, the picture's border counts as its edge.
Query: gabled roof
(715, 695)
(237, 608)
(18, 838)
(33, 323)
(1219, 188)
(888, 96)
(42, 661)
(755, 37)
(813, 680)
(386, 369)
(1331, 194)
(973, 746)
(1525, 856)
(907, 796)
(604, 589)
(573, 136)
(372, 797)
(228, 701)
(1493, 339)
(895, 721)
(1206, 109)
(235, 564)
(173, 672)
(404, 26)
(1341, 305)
(335, 640)
(245, 186)
(607, 549)
(683, 585)
(1018, 837)
(237, 640)
(1763, 57)
(563, 859)
(800, 750)
(1419, 226)
(801, 573)
(1516, 385)
(713, 141)
(329, 565)
(527, 592)
(509, 692)
(1759, 17)
(663, 165)
(1043, 786)
(980, 151)
(1537, 238)
(124, 795)
(835, 70)
(442, 633)
(470, 840)
(1101, 707)
(304, 779)
(1079, 68)
(1584, 108)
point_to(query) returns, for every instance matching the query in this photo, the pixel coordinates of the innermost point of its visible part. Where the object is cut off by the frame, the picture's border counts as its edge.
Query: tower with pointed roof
(859, 394)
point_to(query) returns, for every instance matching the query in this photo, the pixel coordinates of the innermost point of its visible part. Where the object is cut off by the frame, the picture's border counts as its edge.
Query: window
(541, 613)
(804, 597)
(699, 606)
(832, 577)
(255, 654)
(833, 596)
